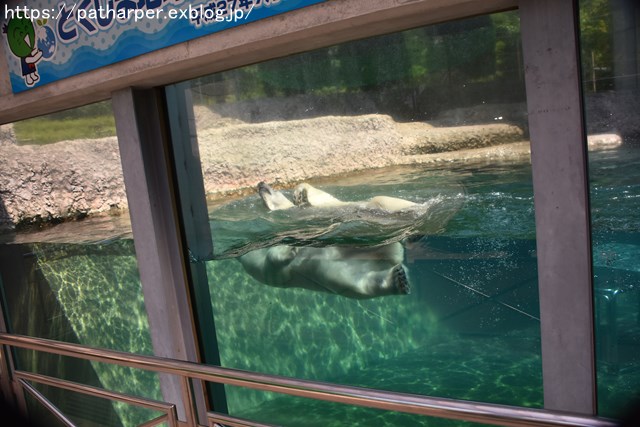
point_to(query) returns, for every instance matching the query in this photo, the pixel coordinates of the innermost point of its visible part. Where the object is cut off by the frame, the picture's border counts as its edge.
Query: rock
(295, 107)
(73, 179)
(205, 118)
(240, 156)
(515, 151)
(515, 113)
(604, 141)
(7, 135)
(444, 139)
(65, 180)
(614, 112)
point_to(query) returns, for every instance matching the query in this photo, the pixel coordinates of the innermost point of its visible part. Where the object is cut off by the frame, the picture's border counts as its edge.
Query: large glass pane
(84, 410)
(67, 260)
(610, 42)
(290, 411)
(430, 289)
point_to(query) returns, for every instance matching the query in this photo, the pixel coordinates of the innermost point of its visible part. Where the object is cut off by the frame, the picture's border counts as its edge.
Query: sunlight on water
(469, 329)
(88, 293)
(615, 210)
(246, 224)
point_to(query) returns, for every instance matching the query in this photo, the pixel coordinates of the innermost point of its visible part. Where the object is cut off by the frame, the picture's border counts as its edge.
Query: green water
(88, 294)
(468, 330)
(615, 202)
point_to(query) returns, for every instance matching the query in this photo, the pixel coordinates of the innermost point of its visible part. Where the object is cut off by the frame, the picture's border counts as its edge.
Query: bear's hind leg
(306, 195)
(399, 280)
(392, 281)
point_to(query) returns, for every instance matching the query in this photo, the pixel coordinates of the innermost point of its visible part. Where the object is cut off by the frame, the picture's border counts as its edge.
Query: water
(85, 293)
(246, 224)
(615, 201)
(468, 330)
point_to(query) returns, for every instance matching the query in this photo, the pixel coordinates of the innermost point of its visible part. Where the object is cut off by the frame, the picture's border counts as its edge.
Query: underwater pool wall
(38, 295)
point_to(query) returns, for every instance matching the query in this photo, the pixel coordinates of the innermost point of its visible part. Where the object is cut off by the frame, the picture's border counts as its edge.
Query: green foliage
(462, 50)
(371, 63)
(508, 50)
(92, 110)
(87, 122)
(47, 129)
(436, 66)
(596, 44)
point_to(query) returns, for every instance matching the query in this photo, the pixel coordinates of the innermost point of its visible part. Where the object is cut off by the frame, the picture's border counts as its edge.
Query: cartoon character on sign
(23, 43)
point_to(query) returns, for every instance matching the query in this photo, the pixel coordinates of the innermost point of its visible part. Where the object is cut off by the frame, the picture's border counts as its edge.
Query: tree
(596, 44)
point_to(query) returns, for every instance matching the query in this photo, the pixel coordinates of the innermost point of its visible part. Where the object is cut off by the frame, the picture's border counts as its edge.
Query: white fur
(273, 200)
(347, 271)
(350, 272)
(307, 195)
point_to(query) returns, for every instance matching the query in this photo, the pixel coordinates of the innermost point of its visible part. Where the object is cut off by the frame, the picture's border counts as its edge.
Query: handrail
(169, 410)
(45, 402)
(217, 419)
(402, 402)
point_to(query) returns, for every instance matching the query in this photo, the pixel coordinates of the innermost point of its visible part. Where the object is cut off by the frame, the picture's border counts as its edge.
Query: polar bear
(272, 199)
(352, 272)
(307, 195)
(359, 273)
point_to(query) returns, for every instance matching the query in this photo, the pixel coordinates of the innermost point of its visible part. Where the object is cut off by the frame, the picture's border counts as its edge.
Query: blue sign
(49, 40)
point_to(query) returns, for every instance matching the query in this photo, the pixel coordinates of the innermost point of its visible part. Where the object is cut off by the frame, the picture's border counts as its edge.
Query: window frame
(554, 101)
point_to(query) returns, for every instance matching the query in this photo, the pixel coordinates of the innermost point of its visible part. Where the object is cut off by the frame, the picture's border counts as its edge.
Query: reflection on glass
(67, 260)
(84, 410)
(610, 67)
(291, 411)
(397, 164)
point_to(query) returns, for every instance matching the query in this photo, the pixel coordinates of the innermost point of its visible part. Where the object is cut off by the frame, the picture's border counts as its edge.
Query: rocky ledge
(73, 179)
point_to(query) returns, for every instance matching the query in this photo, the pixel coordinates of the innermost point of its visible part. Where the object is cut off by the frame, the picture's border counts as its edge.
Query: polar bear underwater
(352, 272)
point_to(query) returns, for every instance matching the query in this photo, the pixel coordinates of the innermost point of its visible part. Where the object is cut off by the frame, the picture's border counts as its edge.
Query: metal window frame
(195, 227)
(410, 403)
(25, 378)
(142, 139)
(561, 197)
(552, 73)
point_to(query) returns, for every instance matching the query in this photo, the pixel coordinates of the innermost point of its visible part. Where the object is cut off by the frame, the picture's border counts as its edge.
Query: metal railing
(428, 406)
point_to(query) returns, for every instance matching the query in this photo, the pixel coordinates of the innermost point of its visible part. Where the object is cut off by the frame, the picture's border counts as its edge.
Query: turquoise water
(85, 293)
(246, 224)
(615, 201)
(468, 330)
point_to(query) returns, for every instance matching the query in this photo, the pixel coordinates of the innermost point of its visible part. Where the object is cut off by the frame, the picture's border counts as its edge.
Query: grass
(44, 130)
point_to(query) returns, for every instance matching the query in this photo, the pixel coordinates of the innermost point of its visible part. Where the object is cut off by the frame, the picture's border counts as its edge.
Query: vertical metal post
(10, 390)
(195, 224)
(5, 354)
(559, 161)
(140, 126)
